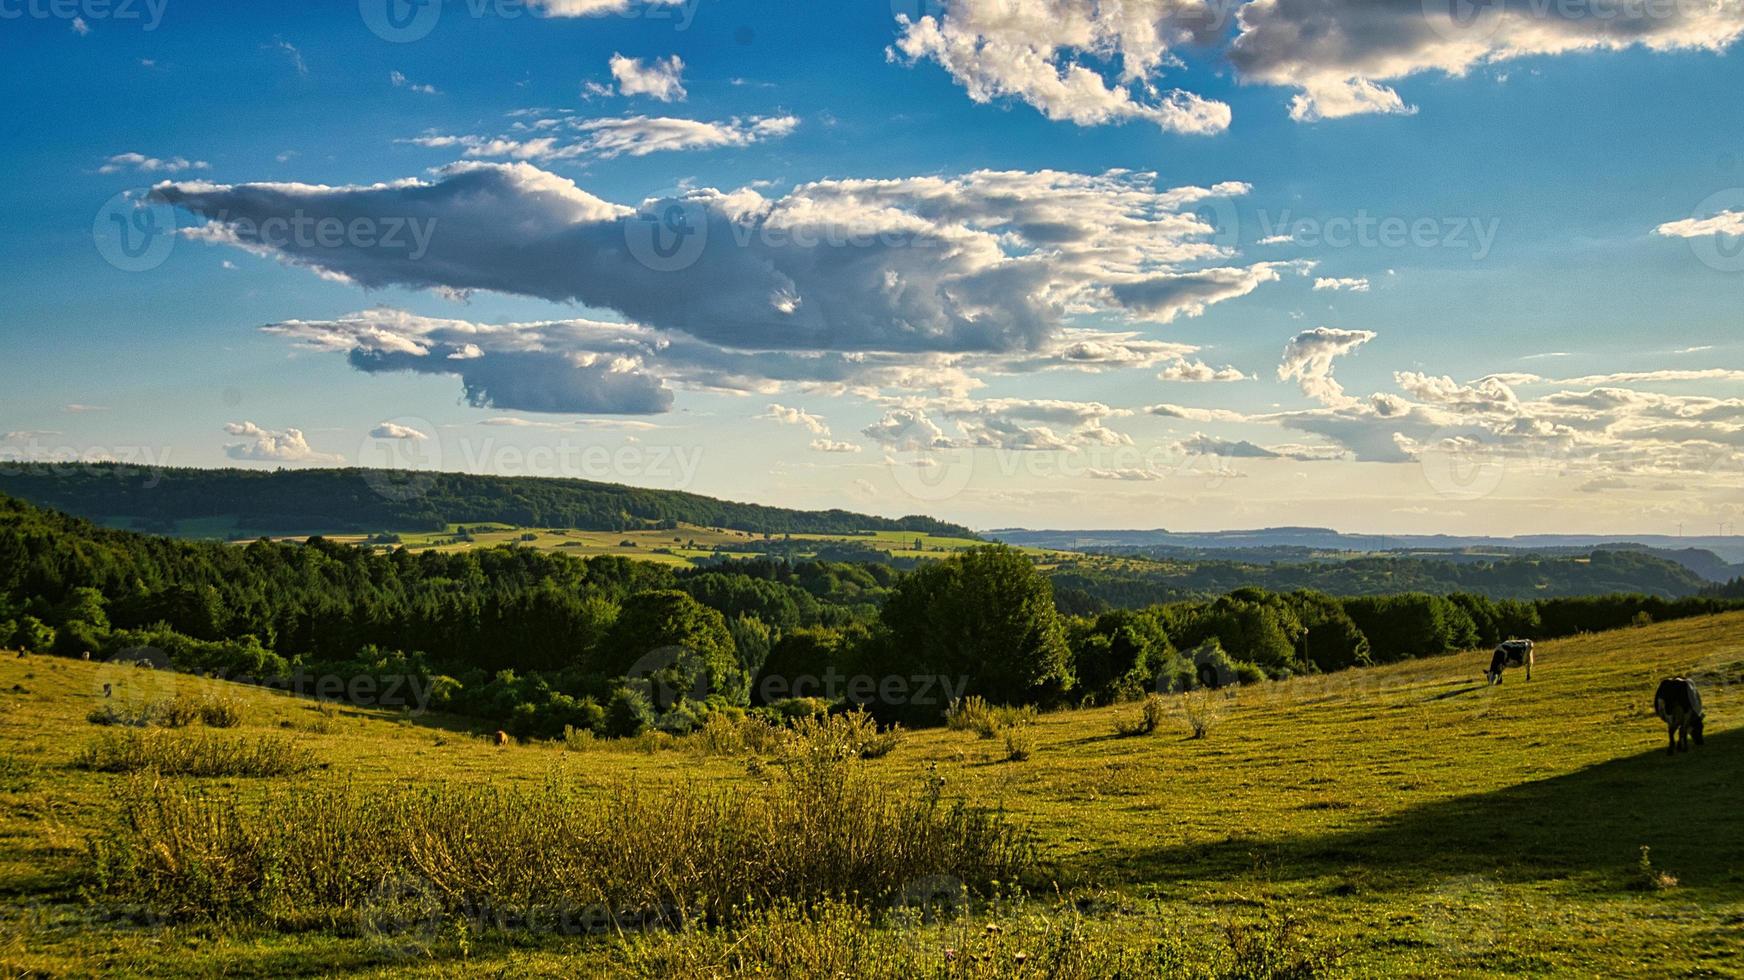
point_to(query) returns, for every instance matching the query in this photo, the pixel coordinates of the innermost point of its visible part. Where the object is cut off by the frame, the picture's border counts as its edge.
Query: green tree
(985, 616)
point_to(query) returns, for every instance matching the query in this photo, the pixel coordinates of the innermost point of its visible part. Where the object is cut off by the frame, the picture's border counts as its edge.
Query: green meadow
(1405, 820)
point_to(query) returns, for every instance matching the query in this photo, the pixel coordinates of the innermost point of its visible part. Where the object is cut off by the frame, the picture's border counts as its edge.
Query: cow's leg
(1671, 733)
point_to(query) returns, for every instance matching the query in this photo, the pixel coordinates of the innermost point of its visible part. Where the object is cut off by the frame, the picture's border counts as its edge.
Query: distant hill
(234, 502)
(1710, 557)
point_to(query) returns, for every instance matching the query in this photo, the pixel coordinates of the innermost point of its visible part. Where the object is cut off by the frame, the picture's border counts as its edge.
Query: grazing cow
(502, 738)
(1679, 705)
(1514, 653)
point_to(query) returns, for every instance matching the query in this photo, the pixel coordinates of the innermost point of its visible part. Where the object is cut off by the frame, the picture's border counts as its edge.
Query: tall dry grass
(334, 852)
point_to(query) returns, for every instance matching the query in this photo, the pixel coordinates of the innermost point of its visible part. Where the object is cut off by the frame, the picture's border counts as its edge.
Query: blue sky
(1010, 263)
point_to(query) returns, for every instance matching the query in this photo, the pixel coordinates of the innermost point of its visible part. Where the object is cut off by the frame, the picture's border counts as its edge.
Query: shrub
(1154, 710)
(1019, 744)
(1648, 878)
(854, 735)
(1200, 710)
(986, 721)
(821, 828)
(628, 714)
(110, 714)
(578, 739)
(176, 712)
(191, 754)
(216, 712)
(1246, 673)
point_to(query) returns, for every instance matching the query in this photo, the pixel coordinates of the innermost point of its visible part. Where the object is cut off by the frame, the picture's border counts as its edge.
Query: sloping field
(1414, 819)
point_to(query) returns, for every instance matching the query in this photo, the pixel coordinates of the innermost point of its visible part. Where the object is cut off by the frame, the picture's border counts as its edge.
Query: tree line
(537, 642)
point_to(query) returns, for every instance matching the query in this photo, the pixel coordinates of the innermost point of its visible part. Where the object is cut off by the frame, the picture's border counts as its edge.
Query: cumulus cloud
(661, 78)
(1167, 295)
(1058, 56)
(1309, 356)
(1198, 371)
(1729, 223)
(1337, 53)
(1357, 285)
(988, 261)
(142, 164)
(273, 446)
(796, 416)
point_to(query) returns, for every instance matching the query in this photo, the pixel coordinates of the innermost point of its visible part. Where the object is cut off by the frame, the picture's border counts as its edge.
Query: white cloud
(80, 27)
(832, 446)
(796, 416)
(1338, 52)
(273, 446)
(661, 79)
(610, 137)
(1309, 356)
(1730, 223)
(1198, 371)
(991, 262)
(1348, 285)
(399, 80)
(394, 430)
(140, 163)
(1056, 55)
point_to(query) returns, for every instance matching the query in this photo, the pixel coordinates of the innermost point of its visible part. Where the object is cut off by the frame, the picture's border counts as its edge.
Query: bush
(628, 714)
(190, 754)
(1151, 717)
(1019, 744)
(974, 714)
(216, 712)
(177, 712)
(854, 735)
(1201, 711)
(109, 714)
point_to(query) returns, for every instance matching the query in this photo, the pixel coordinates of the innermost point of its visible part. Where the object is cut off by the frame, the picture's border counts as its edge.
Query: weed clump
(974, 714)
(191, 754)
(1151, 717)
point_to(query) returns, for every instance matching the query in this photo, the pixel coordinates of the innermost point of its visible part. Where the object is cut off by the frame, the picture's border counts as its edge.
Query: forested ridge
(540, 642)
(304, 501)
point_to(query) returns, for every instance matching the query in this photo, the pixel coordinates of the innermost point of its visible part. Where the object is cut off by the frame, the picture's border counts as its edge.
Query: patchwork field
(1408, 819)
(677, 546)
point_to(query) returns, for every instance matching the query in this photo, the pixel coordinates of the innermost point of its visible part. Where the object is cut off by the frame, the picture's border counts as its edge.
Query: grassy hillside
(1410, 818)
(247, 503)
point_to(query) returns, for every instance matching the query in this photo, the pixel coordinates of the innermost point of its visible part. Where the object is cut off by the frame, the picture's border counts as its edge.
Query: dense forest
(540, 642)
(1089, 585)
(361, 500)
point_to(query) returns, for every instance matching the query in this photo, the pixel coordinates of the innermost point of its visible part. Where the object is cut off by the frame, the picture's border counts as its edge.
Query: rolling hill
(236, 503)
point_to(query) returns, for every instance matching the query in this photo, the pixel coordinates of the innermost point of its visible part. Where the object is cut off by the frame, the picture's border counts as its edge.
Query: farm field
(677, 546)
(1410, 818)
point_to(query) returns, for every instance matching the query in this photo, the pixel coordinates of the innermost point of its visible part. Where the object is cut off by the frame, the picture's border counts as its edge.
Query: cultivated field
(1405, 820)
(677, 546)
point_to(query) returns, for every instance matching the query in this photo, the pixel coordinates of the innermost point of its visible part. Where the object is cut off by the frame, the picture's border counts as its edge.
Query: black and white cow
(1514, 653)
(1679, 705)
